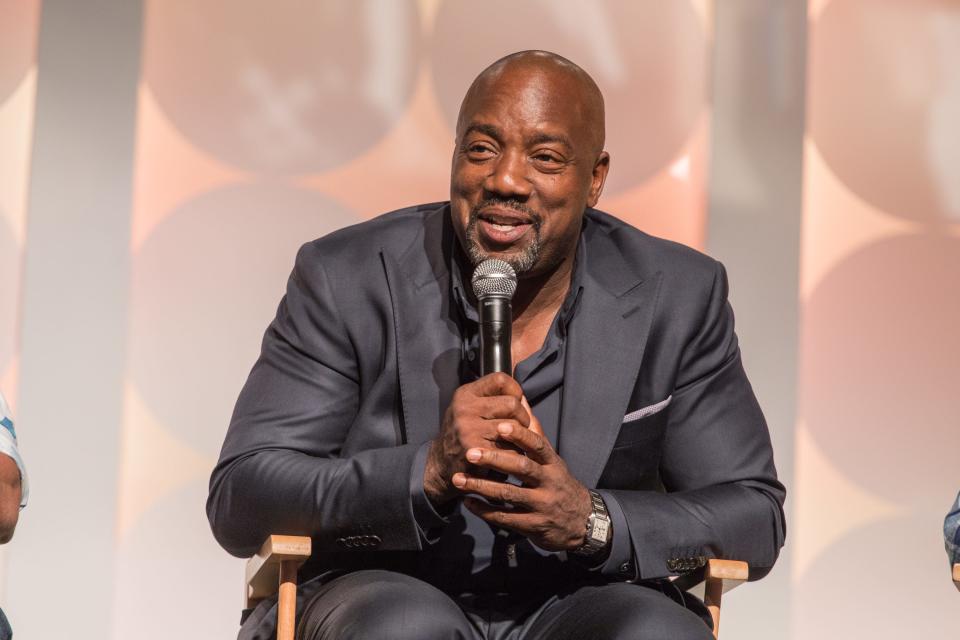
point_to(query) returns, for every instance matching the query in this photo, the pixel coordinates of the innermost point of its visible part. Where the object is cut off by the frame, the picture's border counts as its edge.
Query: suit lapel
(605, 347)
(427, 343)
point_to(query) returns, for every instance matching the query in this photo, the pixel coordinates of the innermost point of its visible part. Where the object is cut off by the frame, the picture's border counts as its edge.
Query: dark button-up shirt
(468, 555)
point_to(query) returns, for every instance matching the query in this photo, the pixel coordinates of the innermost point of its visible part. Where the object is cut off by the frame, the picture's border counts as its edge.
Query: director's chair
(276, 564)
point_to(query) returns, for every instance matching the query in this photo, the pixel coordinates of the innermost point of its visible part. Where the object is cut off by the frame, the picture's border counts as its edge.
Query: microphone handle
(496, 321)
(495, 333)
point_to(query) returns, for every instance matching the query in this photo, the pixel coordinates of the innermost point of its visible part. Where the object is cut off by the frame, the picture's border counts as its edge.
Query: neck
(542, 294)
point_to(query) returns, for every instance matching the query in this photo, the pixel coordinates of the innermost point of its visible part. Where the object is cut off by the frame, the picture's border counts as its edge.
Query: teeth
(502, 227)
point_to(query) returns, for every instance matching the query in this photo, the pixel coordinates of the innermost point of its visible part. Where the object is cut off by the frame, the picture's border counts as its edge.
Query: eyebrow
(545, 138)
(485, 129)
(496, 134)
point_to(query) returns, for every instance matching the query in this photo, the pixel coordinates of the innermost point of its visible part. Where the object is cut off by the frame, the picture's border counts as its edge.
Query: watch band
(597, 529)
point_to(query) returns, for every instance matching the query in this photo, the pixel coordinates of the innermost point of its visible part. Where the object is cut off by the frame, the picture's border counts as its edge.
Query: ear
(598, 178)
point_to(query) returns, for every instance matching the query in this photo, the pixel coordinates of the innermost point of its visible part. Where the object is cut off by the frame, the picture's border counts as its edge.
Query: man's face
(525, 167)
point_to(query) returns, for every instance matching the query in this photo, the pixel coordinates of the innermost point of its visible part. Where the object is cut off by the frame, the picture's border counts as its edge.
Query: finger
(518, 521)
(506, 461)
(490, 489)
(496, 384)
(534, 421)
(529, 441)
(503, 407)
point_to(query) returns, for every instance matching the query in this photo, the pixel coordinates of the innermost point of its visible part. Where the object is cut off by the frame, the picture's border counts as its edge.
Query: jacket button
(672, 564)
(341, 541)
(625, 568)
(375, 540)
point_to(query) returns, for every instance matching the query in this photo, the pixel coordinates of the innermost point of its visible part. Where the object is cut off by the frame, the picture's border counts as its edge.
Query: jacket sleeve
(951, 532)
(722, 495)
(281, 469)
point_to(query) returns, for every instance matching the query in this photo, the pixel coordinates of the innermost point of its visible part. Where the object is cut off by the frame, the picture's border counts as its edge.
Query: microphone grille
(494, 277)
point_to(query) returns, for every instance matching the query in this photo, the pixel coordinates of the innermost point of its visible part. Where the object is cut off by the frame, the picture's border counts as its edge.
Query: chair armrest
(263, 570)
(956, 576)
(712, 581)
(725, 573)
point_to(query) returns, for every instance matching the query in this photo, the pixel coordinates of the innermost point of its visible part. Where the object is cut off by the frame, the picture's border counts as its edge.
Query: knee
(625, 612)
(381, 604)
(657, 617)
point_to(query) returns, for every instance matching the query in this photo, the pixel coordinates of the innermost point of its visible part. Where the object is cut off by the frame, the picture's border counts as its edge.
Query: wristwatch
(598, 528)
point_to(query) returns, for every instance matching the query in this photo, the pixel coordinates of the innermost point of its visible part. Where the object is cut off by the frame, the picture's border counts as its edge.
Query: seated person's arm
(283, 467)
(9, 497)
(723, 498)
(951, 532)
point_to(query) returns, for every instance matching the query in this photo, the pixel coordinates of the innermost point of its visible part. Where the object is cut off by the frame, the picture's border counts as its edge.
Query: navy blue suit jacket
(362, 359)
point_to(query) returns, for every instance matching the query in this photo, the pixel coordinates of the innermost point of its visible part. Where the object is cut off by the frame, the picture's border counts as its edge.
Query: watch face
(601, 530)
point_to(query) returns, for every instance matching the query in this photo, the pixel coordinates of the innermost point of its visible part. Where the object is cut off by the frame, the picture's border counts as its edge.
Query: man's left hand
(550, 508)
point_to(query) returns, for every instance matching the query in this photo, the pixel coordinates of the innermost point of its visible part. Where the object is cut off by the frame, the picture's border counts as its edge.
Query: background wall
(175, 154)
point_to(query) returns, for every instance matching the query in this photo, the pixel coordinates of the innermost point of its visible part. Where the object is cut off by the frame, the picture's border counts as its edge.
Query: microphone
(494, 282)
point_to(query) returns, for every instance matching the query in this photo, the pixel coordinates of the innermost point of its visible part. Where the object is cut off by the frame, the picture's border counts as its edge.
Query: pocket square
(648, 410)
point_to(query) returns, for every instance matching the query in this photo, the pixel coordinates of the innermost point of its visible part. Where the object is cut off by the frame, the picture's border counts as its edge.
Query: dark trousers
(5, 632)
(382, 604)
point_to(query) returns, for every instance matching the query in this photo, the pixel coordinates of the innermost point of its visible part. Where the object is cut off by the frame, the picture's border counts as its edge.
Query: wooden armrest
(726, 573)
(263, 570)
(956, 576)
(712, 581)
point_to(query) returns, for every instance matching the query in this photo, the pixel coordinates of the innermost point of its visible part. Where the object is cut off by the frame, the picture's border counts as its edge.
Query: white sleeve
(8, 446)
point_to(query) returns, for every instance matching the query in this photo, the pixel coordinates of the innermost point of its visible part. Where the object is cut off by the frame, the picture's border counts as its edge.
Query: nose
(508, 176)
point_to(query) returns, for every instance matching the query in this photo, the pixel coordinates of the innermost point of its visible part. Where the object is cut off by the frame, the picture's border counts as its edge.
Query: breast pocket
(635, 458)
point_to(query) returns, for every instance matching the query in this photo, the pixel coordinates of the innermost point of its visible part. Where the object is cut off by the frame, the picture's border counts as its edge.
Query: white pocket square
(648, 410)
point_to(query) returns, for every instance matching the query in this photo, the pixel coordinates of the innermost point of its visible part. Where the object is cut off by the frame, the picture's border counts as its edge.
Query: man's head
(528, 160)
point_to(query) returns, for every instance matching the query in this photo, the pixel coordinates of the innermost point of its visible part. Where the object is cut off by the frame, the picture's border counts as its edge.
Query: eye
(548, 160)
(478, 150)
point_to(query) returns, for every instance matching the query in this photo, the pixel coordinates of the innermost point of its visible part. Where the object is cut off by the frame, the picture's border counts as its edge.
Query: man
(14, 490)
(640, 450)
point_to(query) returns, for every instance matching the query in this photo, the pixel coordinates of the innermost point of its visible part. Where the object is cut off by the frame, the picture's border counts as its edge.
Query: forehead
(528, 102)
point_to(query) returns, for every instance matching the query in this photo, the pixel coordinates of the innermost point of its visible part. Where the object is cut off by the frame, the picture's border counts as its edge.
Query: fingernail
(505, 428)
(473, 455)
(459, 480)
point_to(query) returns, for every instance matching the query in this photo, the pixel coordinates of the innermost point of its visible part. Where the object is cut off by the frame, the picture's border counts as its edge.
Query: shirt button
(471, 355)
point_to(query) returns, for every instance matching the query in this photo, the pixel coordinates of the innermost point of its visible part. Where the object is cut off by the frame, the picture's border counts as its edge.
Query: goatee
(528, 255)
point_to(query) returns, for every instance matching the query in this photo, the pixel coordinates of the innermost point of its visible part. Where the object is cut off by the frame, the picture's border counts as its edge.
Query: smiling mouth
(504, 229)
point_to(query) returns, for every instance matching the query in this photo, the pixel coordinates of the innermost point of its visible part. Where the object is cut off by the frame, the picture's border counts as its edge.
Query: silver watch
(598, 528)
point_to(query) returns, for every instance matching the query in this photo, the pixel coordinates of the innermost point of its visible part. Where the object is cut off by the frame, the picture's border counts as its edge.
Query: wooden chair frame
(956, 576)
(275, 567)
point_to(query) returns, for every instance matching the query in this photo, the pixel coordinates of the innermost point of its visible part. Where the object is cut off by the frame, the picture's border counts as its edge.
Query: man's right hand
(470, 421)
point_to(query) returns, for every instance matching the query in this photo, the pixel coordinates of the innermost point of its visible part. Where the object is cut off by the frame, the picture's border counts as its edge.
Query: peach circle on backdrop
(18, 42)
(884, 117)
(204, 286)
(409, 165)
(294, 88)
(877, 367)
(836, 221)
(649, 58)
(672, 203)
(168, 169)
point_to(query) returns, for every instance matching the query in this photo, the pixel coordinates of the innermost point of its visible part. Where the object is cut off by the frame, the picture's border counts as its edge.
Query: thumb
(534, 421)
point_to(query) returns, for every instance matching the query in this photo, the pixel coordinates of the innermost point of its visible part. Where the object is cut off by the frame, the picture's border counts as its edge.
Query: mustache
(506, 203)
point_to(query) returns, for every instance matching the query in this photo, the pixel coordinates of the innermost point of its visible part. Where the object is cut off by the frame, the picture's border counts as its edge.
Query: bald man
(628, 445)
